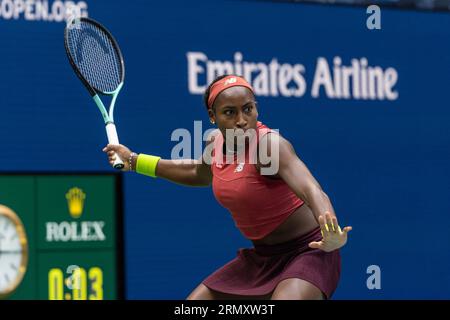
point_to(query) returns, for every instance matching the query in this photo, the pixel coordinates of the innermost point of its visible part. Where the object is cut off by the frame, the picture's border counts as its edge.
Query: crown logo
(75, 200)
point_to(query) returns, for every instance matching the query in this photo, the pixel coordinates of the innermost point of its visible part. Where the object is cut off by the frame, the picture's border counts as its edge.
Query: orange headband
(225, 83)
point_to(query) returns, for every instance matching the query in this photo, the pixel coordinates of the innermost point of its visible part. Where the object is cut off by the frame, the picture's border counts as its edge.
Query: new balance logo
(239, 168)
(230, 81)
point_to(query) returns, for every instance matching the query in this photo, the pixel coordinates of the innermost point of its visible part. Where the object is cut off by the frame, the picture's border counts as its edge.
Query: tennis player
(286, 214)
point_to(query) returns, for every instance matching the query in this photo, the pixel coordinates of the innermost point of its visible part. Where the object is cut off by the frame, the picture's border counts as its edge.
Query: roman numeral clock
(13, 251)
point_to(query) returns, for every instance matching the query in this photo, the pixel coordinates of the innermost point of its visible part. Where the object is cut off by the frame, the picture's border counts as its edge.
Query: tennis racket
(96, 59)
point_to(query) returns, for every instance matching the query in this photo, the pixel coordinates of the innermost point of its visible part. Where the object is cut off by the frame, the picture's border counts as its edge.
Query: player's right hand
(112, 150)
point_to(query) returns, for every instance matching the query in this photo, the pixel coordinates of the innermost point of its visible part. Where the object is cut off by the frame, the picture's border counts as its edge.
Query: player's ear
(212, 116)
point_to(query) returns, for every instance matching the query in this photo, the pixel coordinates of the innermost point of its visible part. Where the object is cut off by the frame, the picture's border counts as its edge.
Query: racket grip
(111, 132)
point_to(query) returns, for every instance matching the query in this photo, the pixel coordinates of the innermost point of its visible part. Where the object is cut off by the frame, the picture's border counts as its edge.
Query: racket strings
(95, 56)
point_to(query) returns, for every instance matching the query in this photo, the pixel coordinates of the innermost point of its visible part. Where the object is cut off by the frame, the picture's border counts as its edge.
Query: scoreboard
(70, 243)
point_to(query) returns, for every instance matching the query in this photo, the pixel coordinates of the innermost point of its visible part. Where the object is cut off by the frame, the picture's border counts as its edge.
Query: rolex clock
(13, 251)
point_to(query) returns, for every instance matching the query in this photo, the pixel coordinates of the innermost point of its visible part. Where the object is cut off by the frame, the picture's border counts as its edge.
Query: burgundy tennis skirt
(257, 271)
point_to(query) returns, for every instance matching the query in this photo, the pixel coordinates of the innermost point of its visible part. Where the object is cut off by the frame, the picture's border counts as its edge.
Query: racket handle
(111, 132)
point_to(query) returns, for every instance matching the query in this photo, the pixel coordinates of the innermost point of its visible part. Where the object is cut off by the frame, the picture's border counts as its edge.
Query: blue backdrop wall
(382, 157)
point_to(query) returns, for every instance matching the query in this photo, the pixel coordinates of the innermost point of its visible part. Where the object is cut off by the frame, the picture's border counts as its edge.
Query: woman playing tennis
(287, 216)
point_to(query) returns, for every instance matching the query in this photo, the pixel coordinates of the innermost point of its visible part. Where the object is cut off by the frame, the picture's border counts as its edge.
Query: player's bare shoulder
(209, 146)
(272, 147)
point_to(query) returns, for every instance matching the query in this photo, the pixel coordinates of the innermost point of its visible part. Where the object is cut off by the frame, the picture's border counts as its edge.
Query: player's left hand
(332, 236)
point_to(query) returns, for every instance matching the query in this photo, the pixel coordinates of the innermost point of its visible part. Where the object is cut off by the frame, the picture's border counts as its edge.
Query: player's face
(235, 108)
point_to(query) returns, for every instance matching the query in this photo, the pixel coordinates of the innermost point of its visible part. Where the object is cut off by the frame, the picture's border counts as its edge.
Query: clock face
(13, 253)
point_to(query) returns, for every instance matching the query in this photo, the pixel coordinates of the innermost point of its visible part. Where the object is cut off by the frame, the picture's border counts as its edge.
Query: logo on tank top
(239, 167)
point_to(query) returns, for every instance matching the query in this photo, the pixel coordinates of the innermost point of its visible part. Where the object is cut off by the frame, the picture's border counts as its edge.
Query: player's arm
(297, 176)
(188, 172)
(295, 173)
